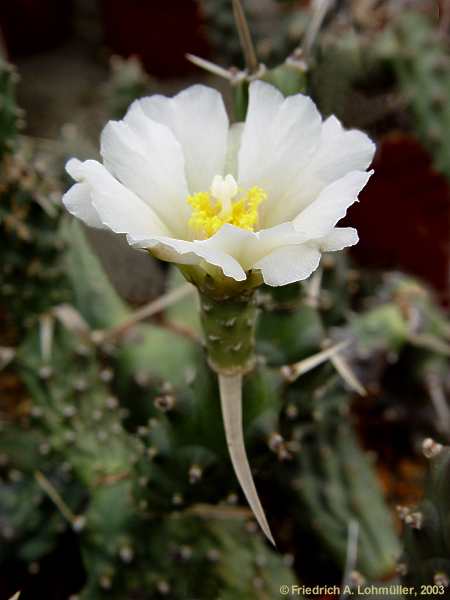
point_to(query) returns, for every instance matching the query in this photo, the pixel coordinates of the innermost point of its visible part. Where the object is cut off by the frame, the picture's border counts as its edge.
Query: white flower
(261, 195)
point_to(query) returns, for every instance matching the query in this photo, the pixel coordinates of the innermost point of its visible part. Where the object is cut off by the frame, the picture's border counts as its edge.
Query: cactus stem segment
(230, 387)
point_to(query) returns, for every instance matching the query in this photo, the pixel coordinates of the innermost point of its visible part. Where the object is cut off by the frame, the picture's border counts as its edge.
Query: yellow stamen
(209, 214)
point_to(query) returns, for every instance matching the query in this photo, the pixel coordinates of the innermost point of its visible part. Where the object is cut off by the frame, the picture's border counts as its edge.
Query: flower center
(224, 203)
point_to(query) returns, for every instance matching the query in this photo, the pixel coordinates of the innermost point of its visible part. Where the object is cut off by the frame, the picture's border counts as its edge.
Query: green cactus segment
(192, 557)
(335, 483)
(184, 313)
(30, 525)
(31, 275)
(404, 315)
(289, 78)
(72, 397)
(337, 486)
(94, 295)
(229, 332)
(288, 329)
(427, 527)
(288, 336)
(101, 306)
(383, 326)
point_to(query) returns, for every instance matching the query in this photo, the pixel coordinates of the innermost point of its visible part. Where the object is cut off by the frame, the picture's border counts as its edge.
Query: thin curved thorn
(54, 495)
(319, 11)
(245, 37)
(293, 372)
(230, 387)
(209, 66)
(7, 355)
(347, 374)
(153, 308)
(46, 331)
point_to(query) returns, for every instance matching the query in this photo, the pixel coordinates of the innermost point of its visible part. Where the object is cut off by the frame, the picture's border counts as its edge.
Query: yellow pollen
(208, 215)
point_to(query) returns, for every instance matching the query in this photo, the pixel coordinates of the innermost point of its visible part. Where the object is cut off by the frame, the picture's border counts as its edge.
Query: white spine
(230, 387)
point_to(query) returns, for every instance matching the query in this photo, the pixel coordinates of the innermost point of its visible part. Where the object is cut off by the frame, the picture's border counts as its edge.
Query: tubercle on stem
(229, 332)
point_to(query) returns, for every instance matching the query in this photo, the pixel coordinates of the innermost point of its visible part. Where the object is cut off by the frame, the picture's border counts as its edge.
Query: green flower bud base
(229, 330)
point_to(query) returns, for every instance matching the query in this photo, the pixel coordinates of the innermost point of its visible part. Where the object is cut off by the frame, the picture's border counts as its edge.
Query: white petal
(289, 264)
(148, 160)
(280, 135)
(214, 250)
(258, 245)
(233, 144)
(198, 119)
(340, 152)
(78, 202)
(118, 208)
(338, 239)
(248, 247)
(318, 219)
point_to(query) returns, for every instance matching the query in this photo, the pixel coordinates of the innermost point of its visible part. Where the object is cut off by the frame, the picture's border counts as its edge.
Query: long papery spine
(230, 387)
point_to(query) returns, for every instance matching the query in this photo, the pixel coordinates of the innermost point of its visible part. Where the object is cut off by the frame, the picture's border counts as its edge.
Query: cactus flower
(232, 206)
(262, 196)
